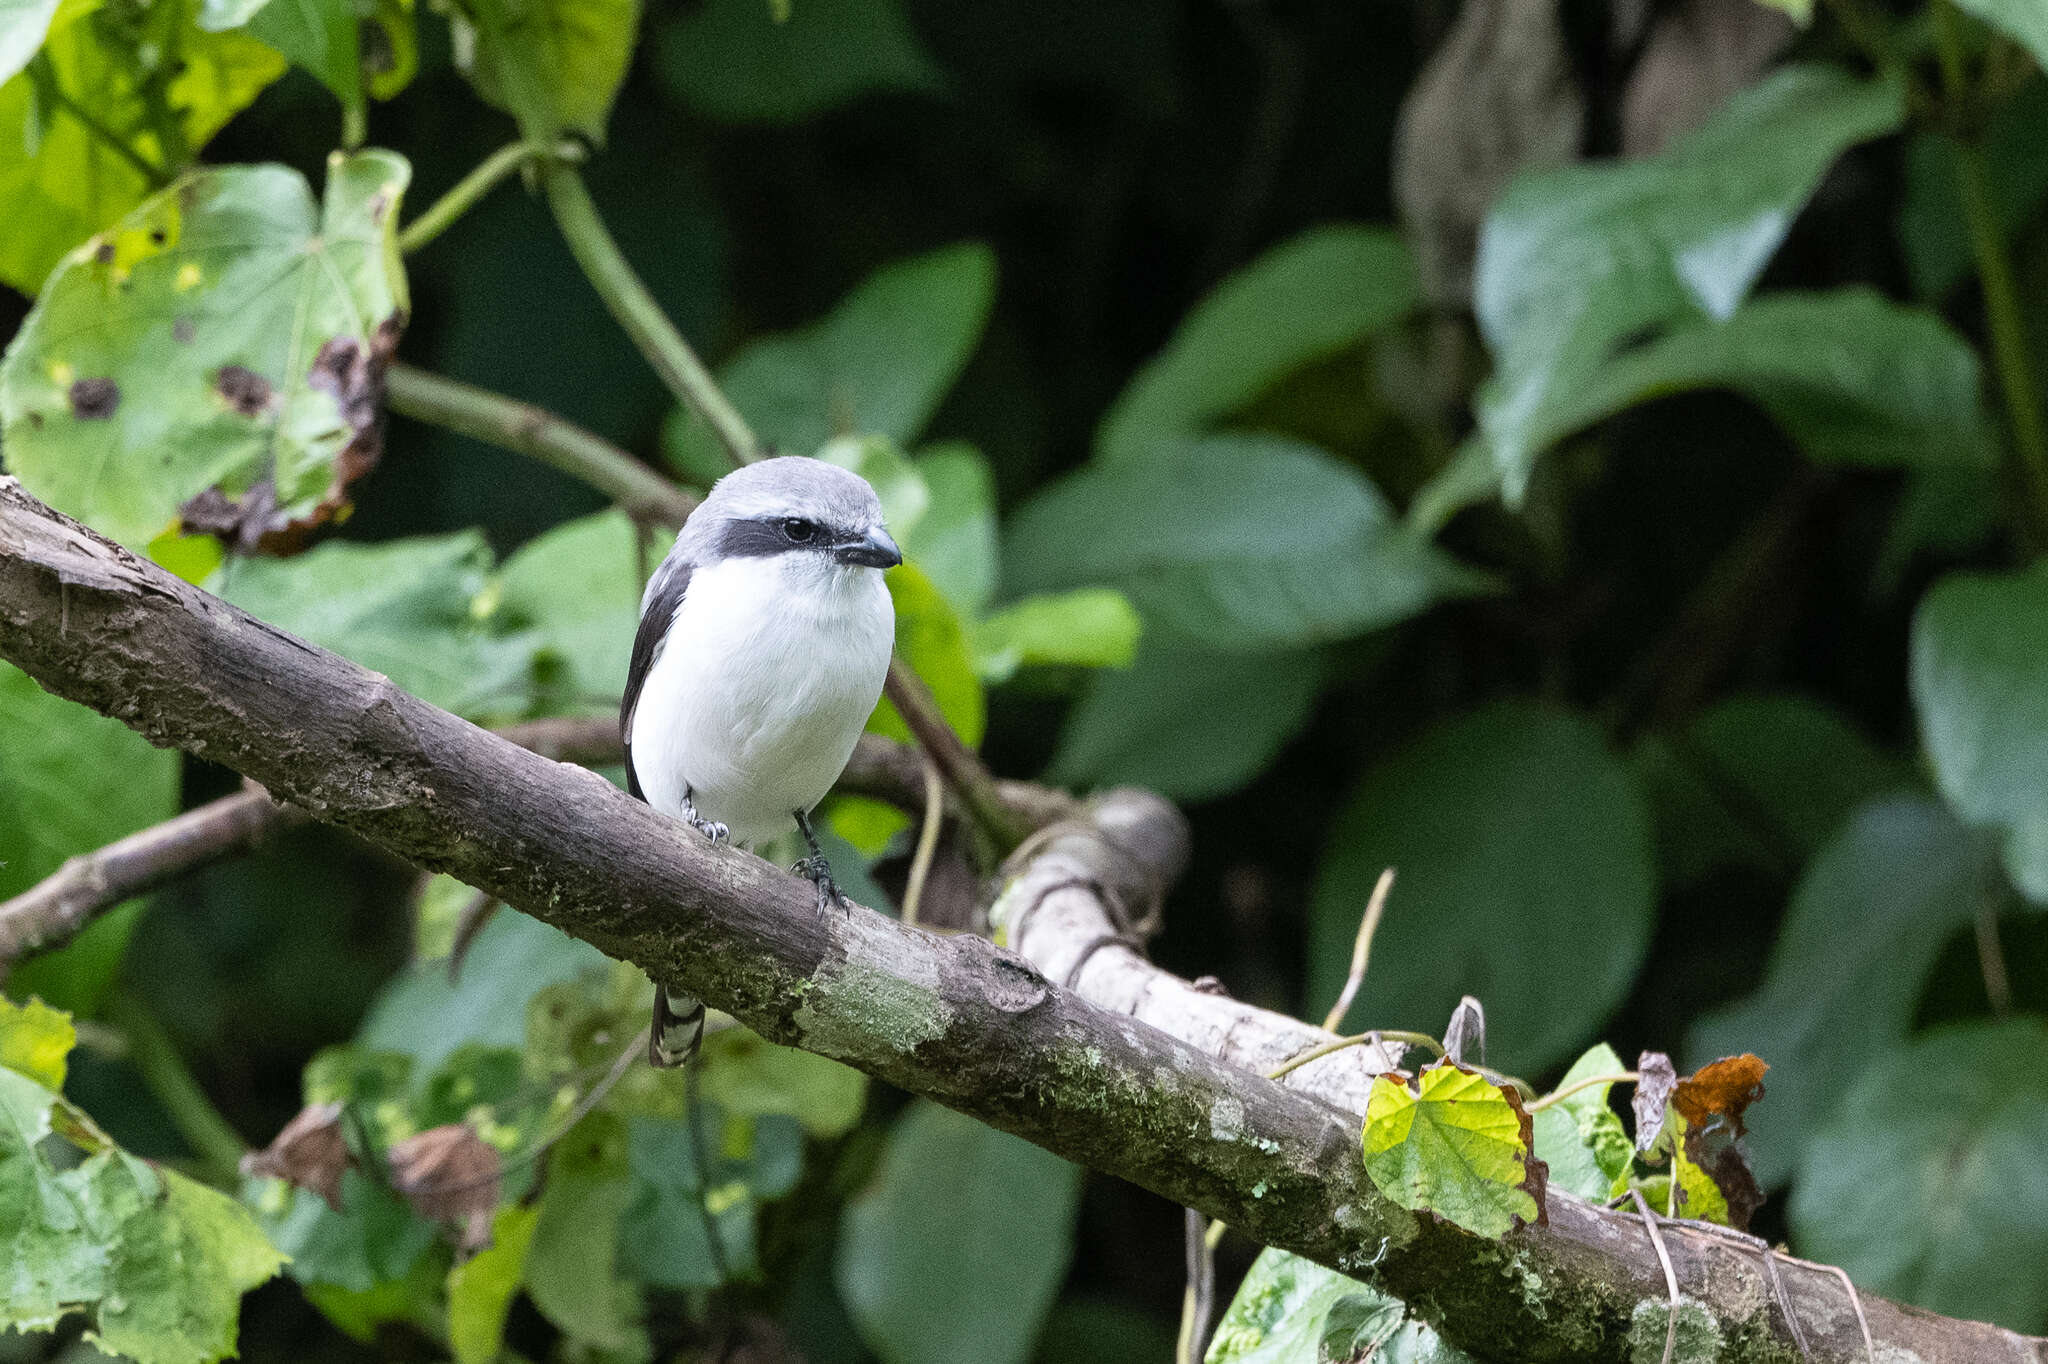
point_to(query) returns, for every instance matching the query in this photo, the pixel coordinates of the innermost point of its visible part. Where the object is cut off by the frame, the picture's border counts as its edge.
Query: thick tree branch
(955, 1018)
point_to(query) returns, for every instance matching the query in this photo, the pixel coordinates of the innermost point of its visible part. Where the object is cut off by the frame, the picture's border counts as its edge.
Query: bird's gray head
(791, 505)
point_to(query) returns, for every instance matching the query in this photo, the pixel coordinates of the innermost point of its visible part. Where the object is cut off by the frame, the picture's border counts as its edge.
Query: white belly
(769, 674)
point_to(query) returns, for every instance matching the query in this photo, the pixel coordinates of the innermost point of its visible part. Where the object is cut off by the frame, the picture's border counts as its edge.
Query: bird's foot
(710, 828)
(819, 873)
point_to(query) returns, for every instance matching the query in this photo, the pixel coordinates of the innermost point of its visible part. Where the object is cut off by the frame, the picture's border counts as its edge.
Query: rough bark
(955, 1018)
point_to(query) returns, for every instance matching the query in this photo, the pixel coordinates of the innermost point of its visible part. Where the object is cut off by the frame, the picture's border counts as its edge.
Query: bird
(764, 639)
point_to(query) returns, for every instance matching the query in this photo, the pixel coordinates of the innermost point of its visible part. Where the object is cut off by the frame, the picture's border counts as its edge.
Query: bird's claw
(819, 873)
(711, 829)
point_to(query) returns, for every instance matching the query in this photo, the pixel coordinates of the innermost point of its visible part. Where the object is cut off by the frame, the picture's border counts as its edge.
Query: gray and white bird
(764, 638)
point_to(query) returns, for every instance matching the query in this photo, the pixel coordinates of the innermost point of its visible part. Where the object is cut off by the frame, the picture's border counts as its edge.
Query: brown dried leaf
(309, 1152)
(1465, 1034)
(449, 1174)
(1657, 1077)
(1724, 1087)
(1700, 53)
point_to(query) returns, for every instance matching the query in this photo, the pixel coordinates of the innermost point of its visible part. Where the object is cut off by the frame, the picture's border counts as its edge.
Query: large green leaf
(1293, 1311)
(1852, 377)
(406, 608)
(1454, 1143)
(1090, 627)
(877, 364)
(1925, 1182)
(1239, 542)
(737, 61)
(932, 639)
(160, 1262)
(572, 1263)
(577, 588)
(1865, 924)
(1573, 261)
(958, 1246)
(353, 47)
(1580, 1137)
(1980, 683)
(554, 65)
(1523, 851)
(1300, 301)
(1186, 722)
(60, 183)
(217, 357)
(481, 1288)
(954, 542)
(23, 25)
(2025, 20)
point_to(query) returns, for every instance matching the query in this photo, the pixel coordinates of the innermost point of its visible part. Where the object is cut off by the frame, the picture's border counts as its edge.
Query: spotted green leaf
(1580, 1137)
(216, 357)
(1453, 1143)
(1293, 1311)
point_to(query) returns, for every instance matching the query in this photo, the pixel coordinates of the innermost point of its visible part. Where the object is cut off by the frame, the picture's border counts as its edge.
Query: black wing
(665, 598)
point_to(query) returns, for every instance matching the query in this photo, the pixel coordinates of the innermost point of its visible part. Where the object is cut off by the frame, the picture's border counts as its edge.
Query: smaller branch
(218, 1146)
(1198, 1302)
(1626, 1077)
(1361, 951)
(539, 435)
(630, 302)
(471, 189)
(963, 771)
(927, 842)
(1663, 1260)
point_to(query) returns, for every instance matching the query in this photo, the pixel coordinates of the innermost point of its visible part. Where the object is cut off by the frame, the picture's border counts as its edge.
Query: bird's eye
(798, 531)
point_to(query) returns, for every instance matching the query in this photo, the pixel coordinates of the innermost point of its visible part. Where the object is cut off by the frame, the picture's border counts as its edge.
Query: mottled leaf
(1451, 1142)
(1293, 1311)
(1580, 1137)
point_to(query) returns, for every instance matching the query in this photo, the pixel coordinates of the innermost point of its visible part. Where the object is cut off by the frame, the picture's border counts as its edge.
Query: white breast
(768, 674)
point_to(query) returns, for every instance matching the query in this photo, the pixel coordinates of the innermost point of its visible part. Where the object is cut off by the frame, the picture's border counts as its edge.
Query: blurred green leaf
(897, 482)
(1980, 684)
(1800, 10)
(1865, 924)
(1238, 542)
(749, 1077)
(1086, 1331)
(1090, 627)
(572, 1264)
(1925, 1181)
(664, 1239)
(1852, 377)
(958, 1246)
(1581, 1137)
(932, 640)
(35, 1040)
(734, 61)
(577, 588)
(1186, 722)
(877, 364)
(405, 608)
(1934, 232)
(353, 47)
(1456, 1145)
(23, 25)
(61, 183)
(1304, 299)
(216, 357)
(1523, 851)
(1293, 1311)
(481, 1288)
(1572, 262)
(374, 1238)
(554, 65)
(955, 541)
(2023, 20)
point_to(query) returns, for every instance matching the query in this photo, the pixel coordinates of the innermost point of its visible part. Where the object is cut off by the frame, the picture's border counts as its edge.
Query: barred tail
(678, 1029)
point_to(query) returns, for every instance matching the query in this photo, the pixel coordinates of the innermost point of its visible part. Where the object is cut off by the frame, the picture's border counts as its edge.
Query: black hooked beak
(875, 550)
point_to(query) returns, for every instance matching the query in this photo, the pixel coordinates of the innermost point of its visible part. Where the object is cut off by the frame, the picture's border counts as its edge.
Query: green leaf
(1801, 11)
(733, 61)
(1980, 684)
(217, 357)
(1240, 542)
(750, 1077)
(1522, 848)
(1304, 299)
(1580, 1137)
(954, 542)
(897, 482)
(1934, 232)
(554, 65)
(35, 1039)
(23, 25)
(161, 1262)
(353, 47)
(932, 640)
(1455, 1144)
(1852, 377)
(60, 183)
(1090, 627)
(1186, 722)
(877, 364)
(1573, 262)
(1925, 1182)
(571, 1267)
(663, 1237)
(577, 589)
(957, 1248)
(1865, 925)
(373, 1240)
(481, 1288)
(405, 608)
(2026, 21)
(1293, 1311)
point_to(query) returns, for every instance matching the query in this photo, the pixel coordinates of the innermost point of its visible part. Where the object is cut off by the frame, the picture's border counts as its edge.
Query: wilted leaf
(957, 1247)
(1714, 1179)
(1453, 1143)
(733, 60)
(1465, 1034)
(554, 65)
(1721, 1089)
(1580, 1137)
(1925, 1181)
(1090, 627)
(1235, 542)
(1656, 1079)
(309, 1152)
(481, 1288)
(1846, 972)
(1980, 684)
(215, 359)
(60, 183)
(1699, 53)
(449, 1174)
(1300, 301)
(1526, 881)
(1293, 1311)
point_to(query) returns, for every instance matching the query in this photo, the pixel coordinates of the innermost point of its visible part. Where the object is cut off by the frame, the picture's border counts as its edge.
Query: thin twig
(1198, 1301)
(1627, 1077)
(170, 1081)
(927, 841)
(1378, 1035)
(471, 188)
(1991, 961)
(1670, 1275)
(1856, 1302)
(1361, 950)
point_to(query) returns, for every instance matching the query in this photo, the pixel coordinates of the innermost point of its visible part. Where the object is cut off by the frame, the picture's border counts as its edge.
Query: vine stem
(636, 310)
(1620, 1077)
(1361, 950)
(218, 1146)
(2009, 354)
(470, 189)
